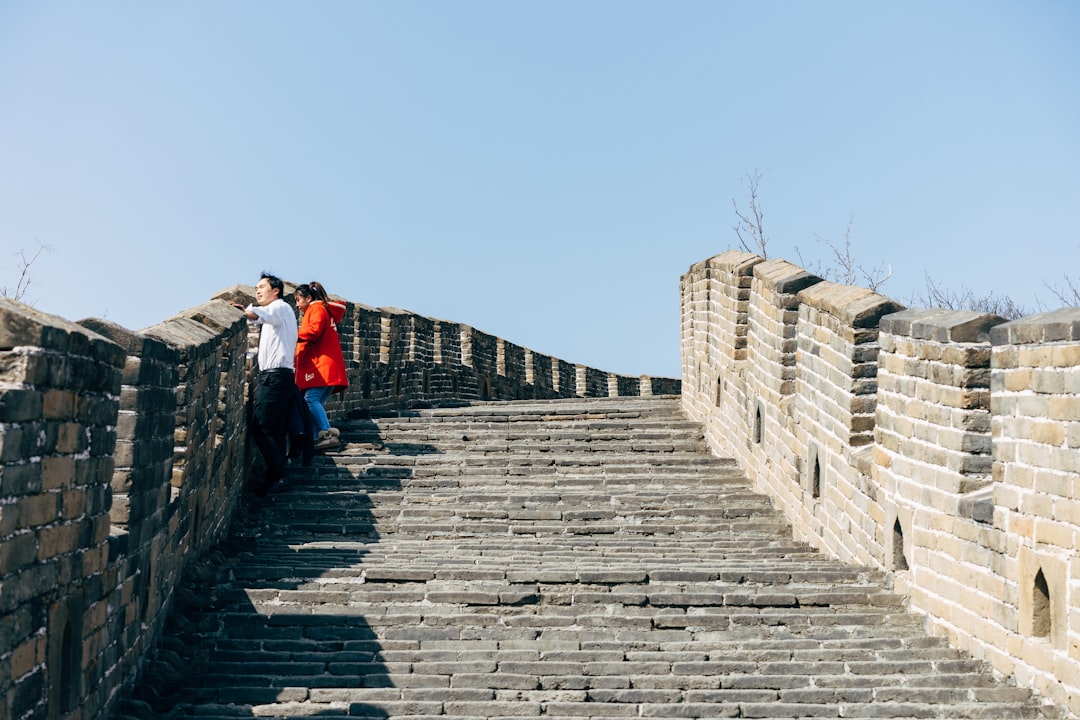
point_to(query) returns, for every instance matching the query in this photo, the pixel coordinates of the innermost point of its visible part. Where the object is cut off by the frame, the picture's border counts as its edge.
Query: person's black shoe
(299, 445)
(277, 486)
(272, 483)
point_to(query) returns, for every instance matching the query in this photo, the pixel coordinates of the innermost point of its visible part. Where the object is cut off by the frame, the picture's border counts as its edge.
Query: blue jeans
(316, 398)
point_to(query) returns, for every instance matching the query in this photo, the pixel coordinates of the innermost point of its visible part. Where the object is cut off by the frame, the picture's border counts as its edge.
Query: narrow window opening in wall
(719, 391)
(454, 384)
(899, 560)
(815, 478)
(397, 383)
(757, 426)
(69, 668)
(366, 386)
(485, 389)
(1040, 606)
(144, 595)
(427, 381)
(196, 517)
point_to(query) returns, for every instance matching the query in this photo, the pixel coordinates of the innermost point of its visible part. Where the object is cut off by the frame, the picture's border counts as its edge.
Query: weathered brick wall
(209, 440)
(123, 456)
(59, 391)
(398, 359)
(943, 446)
(146, 559)
(1035, 426)
(714, 326)
(835, 404)
(978, 453)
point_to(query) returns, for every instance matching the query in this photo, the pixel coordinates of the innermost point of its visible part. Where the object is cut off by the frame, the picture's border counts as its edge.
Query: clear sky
(541, 170)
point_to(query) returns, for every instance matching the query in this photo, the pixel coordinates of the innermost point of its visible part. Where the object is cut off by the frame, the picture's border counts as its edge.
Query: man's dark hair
(275, 283)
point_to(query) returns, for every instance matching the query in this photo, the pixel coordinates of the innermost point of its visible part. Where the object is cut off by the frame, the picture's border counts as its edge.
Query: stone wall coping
(735, 262)
(941, 325)
(133, 343)
(854, 306)
(182, 331)
(217, 315)
(449, 324)
(395, 311)
(235, 293)
(1057, 326)
(24, 325)
(784, 277)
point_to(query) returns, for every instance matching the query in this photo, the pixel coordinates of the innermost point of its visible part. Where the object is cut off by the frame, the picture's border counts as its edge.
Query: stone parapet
(59, 396)
(123, 456)
(940, 445)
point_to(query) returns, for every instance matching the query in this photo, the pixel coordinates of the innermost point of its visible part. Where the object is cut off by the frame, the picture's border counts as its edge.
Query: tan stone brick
(1055, 534)
(57, 472)
(57, 540)
(1016, 380)
(1065, 408)
(38, 510)
(1022, 526)
(70, 438)
(58, 404)
(27, 655)
(1066, 356)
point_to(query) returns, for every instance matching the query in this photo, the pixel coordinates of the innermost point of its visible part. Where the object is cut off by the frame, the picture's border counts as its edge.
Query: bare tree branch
(23, 285)
(966, 299)
(752, 222)
(1069, 293)
(844, 268)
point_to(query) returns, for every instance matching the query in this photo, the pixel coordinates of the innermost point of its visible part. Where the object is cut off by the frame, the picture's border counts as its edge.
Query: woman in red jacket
(320, 364)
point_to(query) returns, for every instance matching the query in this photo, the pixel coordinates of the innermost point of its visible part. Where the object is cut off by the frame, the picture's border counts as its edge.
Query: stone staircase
(567, 559)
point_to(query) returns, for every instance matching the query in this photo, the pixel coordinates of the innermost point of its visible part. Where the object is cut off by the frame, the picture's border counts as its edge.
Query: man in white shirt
(276, 387)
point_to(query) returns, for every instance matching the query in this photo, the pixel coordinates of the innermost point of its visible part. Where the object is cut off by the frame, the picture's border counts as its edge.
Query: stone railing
(123, 458)
(943, 446)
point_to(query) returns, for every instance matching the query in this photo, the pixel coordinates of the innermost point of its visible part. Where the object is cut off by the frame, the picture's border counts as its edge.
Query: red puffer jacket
(319, 360)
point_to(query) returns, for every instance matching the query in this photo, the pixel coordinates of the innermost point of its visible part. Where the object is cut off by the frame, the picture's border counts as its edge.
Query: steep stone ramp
(570, 559)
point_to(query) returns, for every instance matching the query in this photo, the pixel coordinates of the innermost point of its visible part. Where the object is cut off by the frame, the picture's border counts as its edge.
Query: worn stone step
(571, 559)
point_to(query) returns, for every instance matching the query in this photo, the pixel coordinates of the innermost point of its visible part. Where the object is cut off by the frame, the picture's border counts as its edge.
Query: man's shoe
(296, 446)
(277, 486)
(273, 481)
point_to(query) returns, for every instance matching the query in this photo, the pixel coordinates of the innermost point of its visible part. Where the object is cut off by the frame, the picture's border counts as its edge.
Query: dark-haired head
(275, 283)
(313, 291)
(318, 291)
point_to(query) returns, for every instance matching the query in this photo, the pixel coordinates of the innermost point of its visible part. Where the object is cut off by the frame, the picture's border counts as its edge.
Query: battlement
(123, 457)
(943, 446)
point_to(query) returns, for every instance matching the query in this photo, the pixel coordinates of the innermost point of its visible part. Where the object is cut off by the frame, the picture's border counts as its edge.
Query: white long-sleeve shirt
(277, 336)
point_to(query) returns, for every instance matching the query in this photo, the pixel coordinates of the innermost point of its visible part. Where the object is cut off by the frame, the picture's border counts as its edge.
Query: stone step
(571, 559)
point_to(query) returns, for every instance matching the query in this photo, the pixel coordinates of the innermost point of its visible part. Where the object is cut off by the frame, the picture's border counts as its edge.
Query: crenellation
(564, 378)
(420, 338)
(124, 454)
(973, 427)
(942, 447)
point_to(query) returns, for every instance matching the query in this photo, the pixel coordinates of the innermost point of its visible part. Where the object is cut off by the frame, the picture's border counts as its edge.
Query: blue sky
(542, 171)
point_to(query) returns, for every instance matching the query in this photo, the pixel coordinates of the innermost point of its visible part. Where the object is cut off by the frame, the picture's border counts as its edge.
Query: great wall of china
(943, 446)
(122, 459)
(940, 446)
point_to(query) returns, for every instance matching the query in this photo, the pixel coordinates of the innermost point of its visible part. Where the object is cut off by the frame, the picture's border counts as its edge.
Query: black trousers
(270, 419)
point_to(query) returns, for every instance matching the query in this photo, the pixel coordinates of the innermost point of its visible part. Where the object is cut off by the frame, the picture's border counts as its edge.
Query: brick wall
(123, 456)
(58, 407)
(943, 446)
